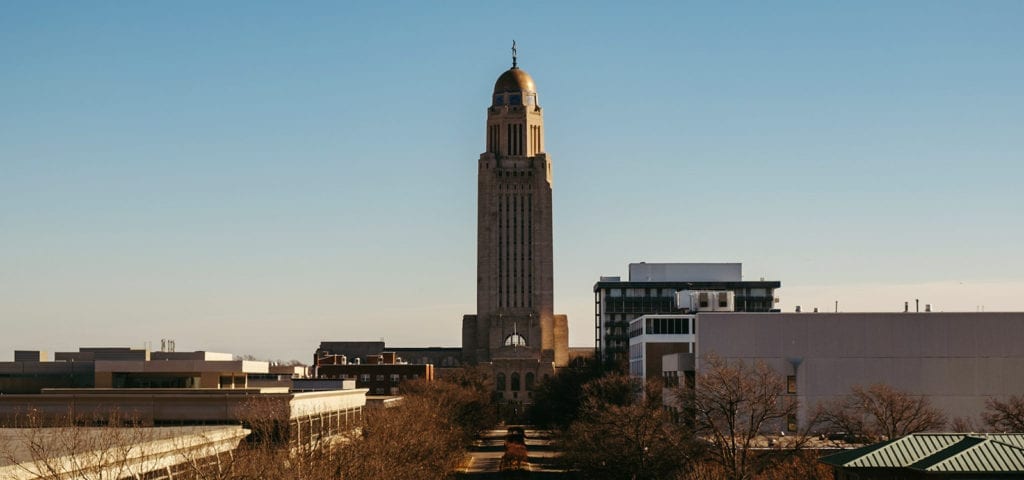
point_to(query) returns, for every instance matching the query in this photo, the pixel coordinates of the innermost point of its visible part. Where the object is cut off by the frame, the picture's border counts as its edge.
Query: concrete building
(278, 376)
(162, 453)
(652, 289)
(178, 370)
(116, 367)
(515, 330)
(652, 337)
(956, 360)
(297, 418)
(95, 385)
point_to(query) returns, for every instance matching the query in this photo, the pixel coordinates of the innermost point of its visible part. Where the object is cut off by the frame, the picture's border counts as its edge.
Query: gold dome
(514, 80)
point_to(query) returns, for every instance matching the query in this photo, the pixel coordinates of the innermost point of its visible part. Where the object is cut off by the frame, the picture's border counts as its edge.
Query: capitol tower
(515, 330)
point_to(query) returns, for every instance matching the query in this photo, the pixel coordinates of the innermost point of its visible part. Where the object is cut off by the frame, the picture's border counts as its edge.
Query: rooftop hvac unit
(706, 301)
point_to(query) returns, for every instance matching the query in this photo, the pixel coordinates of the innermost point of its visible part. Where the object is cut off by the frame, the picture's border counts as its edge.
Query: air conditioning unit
(706, 301)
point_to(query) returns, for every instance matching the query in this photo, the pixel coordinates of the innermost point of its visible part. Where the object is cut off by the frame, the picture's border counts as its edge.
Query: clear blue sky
(255, 177)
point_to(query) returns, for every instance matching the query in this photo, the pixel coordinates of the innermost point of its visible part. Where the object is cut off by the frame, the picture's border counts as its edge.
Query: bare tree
(732, 407)
(623, 435)
(963, 425)
(414, 438)
(1004, 416)
(803, 464)
(881, 412)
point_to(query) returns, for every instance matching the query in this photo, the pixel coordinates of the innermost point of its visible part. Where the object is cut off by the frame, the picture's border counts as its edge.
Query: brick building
(381, 374)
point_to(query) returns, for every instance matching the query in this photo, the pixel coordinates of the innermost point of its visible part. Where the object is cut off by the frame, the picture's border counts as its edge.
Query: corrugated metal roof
(842, 458)
(950, 452)
(986, 455)
(937, 452)
(1015, 439)
(906, 451)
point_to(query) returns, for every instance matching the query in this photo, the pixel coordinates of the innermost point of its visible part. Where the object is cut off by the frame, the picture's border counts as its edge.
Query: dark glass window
(515, 100)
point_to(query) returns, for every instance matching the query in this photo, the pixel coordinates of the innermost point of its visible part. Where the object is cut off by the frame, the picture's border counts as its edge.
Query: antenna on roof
(514, 54)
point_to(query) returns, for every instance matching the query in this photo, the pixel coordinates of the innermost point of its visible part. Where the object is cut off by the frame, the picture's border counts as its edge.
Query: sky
(256, 177)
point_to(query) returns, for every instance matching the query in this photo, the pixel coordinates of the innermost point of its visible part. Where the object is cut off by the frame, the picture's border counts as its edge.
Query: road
(485, 456)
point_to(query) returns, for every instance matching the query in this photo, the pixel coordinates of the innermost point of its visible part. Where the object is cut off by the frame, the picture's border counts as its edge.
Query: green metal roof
(939, 452)
(986, 455)
(844, 457)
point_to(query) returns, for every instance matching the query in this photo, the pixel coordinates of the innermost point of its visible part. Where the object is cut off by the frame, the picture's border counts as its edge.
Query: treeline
(739, 424)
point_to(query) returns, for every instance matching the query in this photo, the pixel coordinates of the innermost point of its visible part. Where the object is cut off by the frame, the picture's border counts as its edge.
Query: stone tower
(515, 329)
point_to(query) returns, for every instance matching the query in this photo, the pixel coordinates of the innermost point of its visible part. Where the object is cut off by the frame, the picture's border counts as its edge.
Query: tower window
(515, 340)
(515, 100)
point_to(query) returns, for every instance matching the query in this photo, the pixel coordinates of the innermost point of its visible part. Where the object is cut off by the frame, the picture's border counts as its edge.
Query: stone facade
(515, 329)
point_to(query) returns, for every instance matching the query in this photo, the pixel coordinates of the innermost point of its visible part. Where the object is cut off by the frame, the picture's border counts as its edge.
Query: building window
(364, 377)
(500, 380)
(723, 299)
(791, 384)
(529, 380)
(791, 422)
(380, 377)
(394, 378)
(515, 382)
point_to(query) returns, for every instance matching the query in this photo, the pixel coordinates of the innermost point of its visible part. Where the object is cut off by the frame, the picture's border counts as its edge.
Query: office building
(143, 388)
(442, 358)
(381, 374)
(651, 290)
(957, 360)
